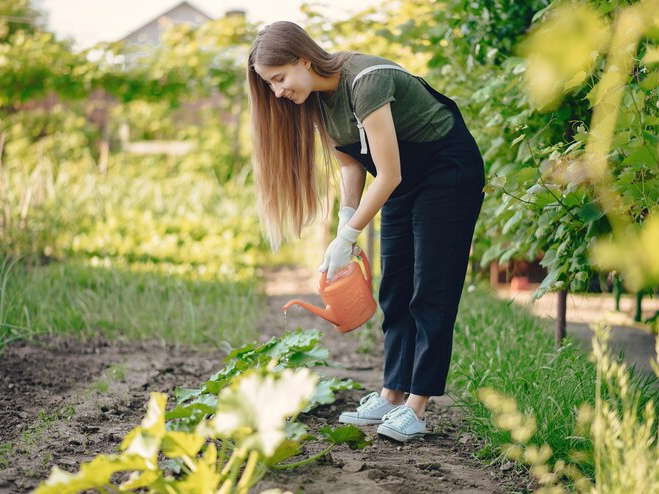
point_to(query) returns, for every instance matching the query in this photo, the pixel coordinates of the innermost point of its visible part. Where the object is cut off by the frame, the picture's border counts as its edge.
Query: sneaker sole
(347, 419)
(398, 436)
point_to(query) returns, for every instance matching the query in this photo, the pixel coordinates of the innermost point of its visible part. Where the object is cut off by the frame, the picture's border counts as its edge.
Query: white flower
(256, 407)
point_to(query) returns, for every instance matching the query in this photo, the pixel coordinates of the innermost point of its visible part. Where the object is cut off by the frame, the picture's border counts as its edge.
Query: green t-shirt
(417, 115)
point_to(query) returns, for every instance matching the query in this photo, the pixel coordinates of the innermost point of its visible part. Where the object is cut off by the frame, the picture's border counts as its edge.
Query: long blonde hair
(284, 133)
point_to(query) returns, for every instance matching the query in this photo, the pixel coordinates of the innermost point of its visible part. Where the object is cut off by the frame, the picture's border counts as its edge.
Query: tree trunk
(104, 147)
(617, 291)
(237, 119)
(561, 309)
(494, 274)
(639, 302)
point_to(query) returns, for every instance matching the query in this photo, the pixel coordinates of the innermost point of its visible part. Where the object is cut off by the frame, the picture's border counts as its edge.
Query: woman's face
(292, 81)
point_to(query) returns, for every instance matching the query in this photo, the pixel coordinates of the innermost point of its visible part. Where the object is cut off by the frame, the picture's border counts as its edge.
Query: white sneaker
(402, 424)
(370, 411)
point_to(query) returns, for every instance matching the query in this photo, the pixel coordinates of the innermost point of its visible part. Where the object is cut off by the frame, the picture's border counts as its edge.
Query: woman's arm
(381, 134)
(383, 144)
(353, 179)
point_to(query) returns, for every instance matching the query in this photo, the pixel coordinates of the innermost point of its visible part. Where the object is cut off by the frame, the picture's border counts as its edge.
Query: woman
(373, 116)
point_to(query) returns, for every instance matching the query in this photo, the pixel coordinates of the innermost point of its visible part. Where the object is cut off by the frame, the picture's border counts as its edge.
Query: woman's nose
(279, 91)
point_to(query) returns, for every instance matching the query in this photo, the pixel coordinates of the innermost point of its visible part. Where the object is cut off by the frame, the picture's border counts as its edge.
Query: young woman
(373, 116)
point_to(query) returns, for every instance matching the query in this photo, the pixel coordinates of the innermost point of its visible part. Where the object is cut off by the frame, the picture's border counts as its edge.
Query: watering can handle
(367, 267)
(323, 280)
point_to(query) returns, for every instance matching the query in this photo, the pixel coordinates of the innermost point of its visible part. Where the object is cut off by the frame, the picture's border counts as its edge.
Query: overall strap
(368, 70)
(444, 100)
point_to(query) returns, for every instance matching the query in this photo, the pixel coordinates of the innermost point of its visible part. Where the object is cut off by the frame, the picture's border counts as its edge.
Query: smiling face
(292, 81)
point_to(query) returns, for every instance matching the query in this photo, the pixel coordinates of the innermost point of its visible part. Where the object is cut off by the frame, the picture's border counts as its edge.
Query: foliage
(34, 63)
(15, 15)
(60, 197)
(540, 202)
(249, 418)
(298, 349)
(620, 156)
(153, 233)
(603, 176)
(622, 430)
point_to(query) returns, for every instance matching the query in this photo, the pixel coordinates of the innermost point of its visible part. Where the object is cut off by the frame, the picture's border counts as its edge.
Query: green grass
(154, 247)
(504, 347)
(34, 433)
(133, 301)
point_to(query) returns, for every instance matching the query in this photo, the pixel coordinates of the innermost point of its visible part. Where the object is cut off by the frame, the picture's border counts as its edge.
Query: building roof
(133, 35)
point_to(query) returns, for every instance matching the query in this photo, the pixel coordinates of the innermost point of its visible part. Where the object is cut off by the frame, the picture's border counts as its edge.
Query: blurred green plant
(189, 62)
(604, 178)
(18, 15)
(622, 431)
(48, 180)
(177, 234)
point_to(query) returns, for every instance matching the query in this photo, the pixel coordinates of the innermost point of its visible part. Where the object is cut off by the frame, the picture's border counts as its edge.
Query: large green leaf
(348, 434)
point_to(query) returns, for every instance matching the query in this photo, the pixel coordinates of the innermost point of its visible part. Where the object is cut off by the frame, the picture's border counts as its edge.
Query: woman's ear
(306, 63)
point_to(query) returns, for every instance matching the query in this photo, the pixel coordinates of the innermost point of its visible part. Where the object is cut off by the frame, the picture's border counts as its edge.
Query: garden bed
(63, 401)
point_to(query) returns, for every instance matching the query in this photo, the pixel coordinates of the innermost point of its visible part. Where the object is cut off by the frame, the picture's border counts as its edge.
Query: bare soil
(63, 401)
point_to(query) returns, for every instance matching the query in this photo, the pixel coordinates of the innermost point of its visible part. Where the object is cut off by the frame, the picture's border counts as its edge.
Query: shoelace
(369, 401)
(401, 416)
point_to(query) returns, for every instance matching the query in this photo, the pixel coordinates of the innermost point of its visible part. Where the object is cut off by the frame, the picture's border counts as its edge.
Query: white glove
(339, 251)
(345, 214)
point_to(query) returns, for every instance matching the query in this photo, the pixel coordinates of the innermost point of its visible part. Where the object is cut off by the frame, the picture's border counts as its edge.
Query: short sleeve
(373, 91)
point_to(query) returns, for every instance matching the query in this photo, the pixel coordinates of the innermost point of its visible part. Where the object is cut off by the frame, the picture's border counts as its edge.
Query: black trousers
(425, 241)
(426, 230)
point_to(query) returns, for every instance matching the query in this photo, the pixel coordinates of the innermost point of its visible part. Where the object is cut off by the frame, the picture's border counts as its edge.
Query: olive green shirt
(418, 116)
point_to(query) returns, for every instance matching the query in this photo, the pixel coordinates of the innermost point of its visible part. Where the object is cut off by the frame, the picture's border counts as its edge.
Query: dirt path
(63, 401)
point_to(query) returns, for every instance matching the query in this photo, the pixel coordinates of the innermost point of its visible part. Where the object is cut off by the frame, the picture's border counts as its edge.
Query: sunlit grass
(76, 298)
(504, 347)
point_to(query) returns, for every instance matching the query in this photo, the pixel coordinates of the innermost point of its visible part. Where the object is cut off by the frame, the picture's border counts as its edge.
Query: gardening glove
(345, 215)
(339, 251)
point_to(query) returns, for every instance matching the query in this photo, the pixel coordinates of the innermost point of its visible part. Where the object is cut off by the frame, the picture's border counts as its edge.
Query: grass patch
(134, 301)
(117, 372)
(100, 386)
(34, 434)
(504, 347)
(5, 450)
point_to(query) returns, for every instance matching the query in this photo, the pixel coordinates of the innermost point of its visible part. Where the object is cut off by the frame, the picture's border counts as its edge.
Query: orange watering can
(347, 297)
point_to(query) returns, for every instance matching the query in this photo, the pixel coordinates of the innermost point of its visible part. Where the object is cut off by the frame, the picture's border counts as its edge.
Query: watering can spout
(326, 314)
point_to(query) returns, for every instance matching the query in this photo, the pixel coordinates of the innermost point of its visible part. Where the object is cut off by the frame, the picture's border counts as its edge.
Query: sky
(90, 21)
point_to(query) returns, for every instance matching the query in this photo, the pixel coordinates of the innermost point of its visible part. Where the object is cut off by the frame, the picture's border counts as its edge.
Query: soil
(64, 400)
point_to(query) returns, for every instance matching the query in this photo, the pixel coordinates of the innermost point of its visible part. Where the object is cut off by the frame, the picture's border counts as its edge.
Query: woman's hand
(339, 251)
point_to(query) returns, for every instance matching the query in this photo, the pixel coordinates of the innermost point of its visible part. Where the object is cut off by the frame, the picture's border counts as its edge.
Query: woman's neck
(327, 84)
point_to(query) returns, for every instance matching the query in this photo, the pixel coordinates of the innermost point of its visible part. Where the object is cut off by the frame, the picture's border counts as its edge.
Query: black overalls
(426, 229)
